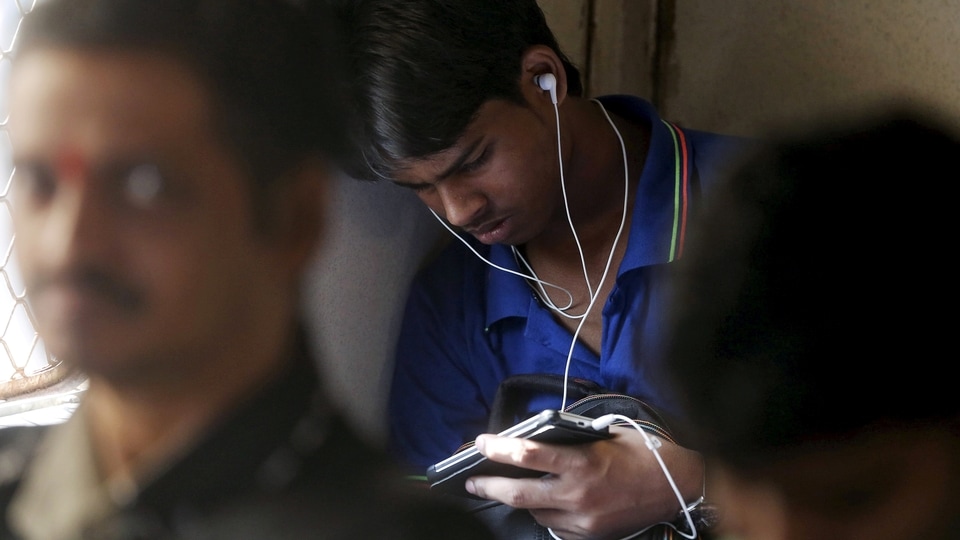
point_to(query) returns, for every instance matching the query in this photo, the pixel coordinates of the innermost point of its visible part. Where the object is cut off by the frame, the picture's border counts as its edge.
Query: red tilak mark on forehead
(71, 165)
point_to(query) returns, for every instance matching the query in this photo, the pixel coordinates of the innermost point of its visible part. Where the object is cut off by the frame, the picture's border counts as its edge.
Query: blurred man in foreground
(810, 334)
(169, 175)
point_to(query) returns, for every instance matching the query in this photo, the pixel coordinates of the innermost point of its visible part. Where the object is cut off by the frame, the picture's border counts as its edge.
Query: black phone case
(550, 426)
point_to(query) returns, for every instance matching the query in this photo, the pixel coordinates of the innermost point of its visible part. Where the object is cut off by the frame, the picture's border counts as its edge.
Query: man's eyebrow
(449, 171)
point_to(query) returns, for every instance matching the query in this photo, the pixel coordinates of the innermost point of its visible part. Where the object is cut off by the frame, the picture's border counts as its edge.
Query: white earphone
(548, 83)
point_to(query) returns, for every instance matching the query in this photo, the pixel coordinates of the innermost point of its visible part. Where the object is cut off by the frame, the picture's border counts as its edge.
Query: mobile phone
(550, 426)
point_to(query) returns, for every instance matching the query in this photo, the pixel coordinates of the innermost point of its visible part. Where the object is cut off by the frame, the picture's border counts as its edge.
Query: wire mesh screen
(30, 378)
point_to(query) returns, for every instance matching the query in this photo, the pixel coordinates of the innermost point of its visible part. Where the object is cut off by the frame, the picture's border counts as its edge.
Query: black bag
(589, 399)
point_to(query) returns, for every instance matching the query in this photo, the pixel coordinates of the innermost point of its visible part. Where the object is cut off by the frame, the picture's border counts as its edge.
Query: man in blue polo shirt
(568, 212)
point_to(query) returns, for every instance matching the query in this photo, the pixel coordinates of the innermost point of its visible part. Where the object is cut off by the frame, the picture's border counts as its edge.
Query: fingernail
(471, 489)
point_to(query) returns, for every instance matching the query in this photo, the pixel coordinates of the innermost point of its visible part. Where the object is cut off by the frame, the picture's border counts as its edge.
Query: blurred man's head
(811, 330)
(168, 173)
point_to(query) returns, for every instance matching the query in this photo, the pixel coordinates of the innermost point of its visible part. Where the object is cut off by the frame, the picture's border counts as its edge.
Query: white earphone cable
(494, 265)
(593, 295)
(653, 444)
(613, 249)
(566, 207)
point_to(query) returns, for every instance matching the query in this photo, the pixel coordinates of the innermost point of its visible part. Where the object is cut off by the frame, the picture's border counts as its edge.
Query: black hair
(421, 69)
(266, 64)
(811, 302)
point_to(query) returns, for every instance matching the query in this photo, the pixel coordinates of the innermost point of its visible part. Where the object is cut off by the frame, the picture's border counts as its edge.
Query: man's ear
(537, 62)
(300, 211)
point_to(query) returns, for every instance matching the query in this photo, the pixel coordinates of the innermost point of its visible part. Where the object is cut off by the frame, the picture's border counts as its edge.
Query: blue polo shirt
(467, 326)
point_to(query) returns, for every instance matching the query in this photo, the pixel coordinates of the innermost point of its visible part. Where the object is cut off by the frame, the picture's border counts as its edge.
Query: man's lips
(484, 228)
(492, 232)
(85, 289)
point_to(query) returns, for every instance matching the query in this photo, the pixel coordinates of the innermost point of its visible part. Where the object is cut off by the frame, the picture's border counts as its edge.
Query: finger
(522, 453)
(528, 493)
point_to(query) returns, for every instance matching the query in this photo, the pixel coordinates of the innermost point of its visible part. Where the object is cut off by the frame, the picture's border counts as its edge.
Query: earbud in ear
(548, 83)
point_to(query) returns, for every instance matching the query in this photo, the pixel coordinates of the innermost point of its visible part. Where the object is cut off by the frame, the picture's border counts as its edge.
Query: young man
(169, 171)
(576, 208)
(810, 335)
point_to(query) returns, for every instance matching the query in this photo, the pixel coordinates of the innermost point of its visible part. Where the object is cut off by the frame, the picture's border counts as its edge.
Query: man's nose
(77, 227)
(462, 206)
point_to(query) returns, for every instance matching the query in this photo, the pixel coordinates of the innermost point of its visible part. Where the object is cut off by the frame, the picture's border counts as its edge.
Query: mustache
(93, 281)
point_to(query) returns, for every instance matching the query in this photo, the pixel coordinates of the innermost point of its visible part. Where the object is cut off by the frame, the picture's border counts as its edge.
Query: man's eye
(421, 188)
(143, 184)
(36, 182)
(477, 163)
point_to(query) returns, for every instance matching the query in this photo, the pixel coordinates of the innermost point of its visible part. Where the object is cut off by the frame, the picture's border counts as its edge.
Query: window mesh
(30, 378)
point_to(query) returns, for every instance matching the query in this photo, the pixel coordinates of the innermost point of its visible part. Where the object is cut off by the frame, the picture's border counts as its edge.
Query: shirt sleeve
(435, 402)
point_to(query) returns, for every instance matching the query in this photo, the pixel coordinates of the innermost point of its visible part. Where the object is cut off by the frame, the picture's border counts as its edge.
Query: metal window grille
(31, 380)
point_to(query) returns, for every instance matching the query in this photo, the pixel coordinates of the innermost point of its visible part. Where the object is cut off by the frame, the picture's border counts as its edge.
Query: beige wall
(743, 66)
(612, 41)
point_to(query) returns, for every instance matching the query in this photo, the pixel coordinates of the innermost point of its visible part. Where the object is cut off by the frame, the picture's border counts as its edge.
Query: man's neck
(597, 185)
(138, 426)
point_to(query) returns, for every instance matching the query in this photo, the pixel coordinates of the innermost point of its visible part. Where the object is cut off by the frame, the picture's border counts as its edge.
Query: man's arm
(435, 405)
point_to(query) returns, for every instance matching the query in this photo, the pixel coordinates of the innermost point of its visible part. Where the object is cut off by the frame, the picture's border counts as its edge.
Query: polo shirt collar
(658, 225)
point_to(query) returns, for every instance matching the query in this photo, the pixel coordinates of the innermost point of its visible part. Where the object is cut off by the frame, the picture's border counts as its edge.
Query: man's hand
(600, 490)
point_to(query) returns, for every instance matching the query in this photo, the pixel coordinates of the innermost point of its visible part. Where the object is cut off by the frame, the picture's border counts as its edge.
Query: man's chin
(92, 356)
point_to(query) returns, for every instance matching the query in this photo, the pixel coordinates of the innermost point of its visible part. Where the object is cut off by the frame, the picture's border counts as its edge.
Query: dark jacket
(284, 465)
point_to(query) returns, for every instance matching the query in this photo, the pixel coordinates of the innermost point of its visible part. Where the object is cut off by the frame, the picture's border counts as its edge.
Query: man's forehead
(424, 168)
(437, 167)
(138, 79)
(432, 167)
(81, 99)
